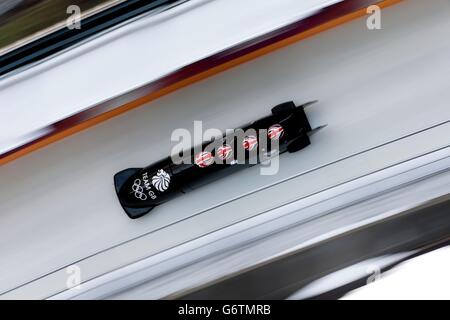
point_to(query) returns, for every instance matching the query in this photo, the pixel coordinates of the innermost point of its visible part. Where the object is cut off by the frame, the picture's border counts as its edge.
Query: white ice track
(58, 206)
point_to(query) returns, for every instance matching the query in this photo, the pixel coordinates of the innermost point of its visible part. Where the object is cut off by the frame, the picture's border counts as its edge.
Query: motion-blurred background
(21, 20)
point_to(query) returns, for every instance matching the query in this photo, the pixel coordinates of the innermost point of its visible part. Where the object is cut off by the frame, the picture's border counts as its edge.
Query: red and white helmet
(204, 159)
(275, 132)
(250, 143)
(224, 152)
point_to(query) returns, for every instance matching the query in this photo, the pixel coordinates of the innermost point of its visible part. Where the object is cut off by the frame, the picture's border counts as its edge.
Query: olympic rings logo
(139, 190)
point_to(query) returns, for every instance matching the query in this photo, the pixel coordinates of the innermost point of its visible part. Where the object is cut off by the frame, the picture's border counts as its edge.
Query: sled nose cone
(120, 180)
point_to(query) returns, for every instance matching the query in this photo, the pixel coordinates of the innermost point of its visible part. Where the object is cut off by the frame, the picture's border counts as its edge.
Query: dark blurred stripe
(65, 38)
(424, 228)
